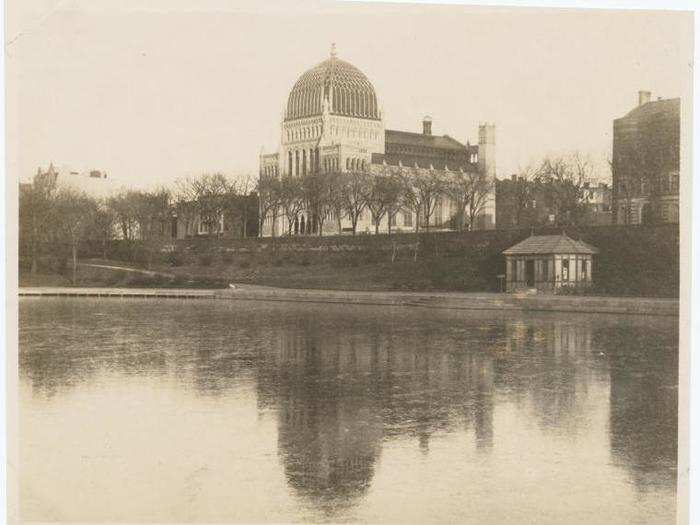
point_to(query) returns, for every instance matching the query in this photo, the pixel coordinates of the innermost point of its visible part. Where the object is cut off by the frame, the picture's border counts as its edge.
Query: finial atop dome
(334, 53)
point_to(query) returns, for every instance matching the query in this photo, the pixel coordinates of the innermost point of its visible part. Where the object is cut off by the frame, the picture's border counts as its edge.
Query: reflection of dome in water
(328, 451)
(347, 90)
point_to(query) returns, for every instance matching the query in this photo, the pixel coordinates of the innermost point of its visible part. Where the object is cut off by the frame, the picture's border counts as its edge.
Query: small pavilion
(548, 262)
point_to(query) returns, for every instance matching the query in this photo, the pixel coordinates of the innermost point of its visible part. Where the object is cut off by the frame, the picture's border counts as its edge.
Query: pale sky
(151, 94)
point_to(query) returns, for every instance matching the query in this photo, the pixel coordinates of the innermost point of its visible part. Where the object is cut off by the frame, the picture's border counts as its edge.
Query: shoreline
(437, 300)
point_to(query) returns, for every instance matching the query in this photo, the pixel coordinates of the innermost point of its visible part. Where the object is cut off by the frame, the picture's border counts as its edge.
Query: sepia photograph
(347, 262)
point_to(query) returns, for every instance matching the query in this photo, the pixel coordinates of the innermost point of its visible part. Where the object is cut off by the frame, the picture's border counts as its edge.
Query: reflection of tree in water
(342, 380)
(644, 402)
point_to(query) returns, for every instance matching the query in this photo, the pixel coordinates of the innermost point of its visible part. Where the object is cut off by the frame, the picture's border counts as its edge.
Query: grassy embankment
(637, 261)
(306, 271)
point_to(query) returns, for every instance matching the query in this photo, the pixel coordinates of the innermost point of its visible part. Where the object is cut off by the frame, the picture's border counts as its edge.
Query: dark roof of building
(550, 244)
(667, 105)
(408, 138)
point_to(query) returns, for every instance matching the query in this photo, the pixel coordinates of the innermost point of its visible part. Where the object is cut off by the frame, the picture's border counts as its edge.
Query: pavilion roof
(549, 245)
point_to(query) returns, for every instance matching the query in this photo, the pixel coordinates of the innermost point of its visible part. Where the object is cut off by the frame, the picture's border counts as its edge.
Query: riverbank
(445, 300)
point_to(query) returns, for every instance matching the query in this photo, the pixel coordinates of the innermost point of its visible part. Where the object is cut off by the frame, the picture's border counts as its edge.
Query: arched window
(291, 166)
(296, 162)
(318, 163)
(303, 162)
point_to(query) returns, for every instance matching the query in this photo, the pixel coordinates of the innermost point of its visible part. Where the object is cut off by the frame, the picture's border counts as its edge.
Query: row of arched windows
(355, 164)
(301, 162)
(307, 132)
(353, 133)
(330, 164)
(270, 169)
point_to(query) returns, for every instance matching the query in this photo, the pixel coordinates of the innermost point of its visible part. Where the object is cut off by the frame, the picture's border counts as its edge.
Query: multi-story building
(524, 203)
(597, 196)
(334, 123)
(94, 183)
(646, 162)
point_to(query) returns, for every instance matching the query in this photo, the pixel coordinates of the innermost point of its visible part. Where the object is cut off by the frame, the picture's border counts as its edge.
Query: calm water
(169, 410)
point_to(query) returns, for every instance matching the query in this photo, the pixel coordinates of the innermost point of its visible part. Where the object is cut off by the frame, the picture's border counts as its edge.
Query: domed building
(333, 122)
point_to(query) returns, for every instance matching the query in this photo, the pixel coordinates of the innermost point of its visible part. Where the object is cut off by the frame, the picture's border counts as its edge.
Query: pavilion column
(521, 269)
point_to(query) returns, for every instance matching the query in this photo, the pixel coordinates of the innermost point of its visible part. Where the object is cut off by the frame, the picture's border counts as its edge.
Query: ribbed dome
(347, 89)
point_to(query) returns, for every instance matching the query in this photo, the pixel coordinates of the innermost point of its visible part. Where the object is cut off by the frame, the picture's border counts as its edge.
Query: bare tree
(36, 207)
(243, 198)
(185, 205)
(336, 200)
(384, 192)
(317, 189)
(210, 192)
(75, 212)
(471, 190)
(124, 208)
(103, 224)
(410, 199)
(482, 190)
(421, 189)
(353, 193)
(270, 200)
(523, 189)
(154, 213)
(291, 200)
(562, 179)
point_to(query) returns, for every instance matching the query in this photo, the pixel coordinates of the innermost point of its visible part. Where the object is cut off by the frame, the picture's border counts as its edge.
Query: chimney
(644, 97)
(427, 125)
(513, 177)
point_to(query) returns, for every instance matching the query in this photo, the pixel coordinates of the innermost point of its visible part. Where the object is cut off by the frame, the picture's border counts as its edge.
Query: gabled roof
(549, 245)
(408, 138)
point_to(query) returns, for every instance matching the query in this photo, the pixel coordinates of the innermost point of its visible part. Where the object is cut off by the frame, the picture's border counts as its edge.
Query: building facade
(522, 203)
(94, 183)
(646, 162)
(333, 123)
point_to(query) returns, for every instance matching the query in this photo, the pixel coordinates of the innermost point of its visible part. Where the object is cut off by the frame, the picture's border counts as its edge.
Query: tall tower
(487, 162)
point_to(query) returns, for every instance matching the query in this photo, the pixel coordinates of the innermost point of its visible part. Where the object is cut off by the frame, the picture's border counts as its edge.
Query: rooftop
(550, 244)
(670, 106)
(408, 138)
